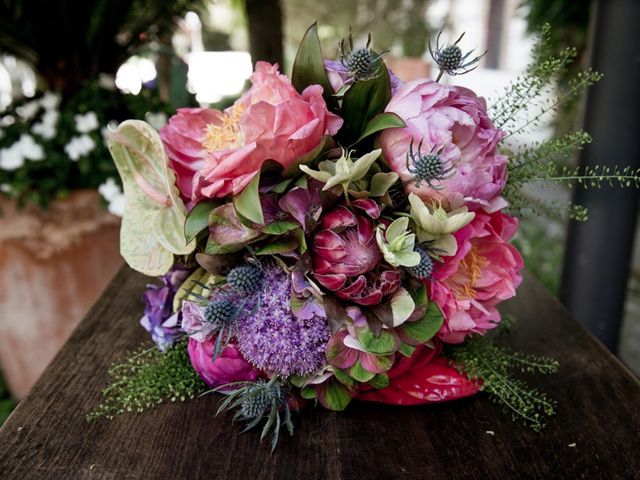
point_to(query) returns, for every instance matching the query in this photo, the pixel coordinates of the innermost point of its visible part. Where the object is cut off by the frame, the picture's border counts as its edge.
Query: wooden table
(595, 434)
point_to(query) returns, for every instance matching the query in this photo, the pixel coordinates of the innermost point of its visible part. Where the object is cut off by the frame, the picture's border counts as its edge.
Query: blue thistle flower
(429, 167)
(424, 269)
(360, 62)
(451, 60)
(247, 279)
(221, 313)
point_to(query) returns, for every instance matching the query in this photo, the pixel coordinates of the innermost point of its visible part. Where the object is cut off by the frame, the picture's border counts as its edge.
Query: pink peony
(455, 119)
(484, 271)
(229, 367)
(215, 154)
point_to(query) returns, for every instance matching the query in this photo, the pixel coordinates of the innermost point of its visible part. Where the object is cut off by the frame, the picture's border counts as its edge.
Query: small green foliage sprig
(147, 378)
(593, 177)
(482, 360)
(525, 103)
(528, 99)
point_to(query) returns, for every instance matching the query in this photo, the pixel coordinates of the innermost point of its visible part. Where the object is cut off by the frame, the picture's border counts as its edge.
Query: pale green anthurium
(437, 226)
(152, 228)
(397, 244)
(343, 171)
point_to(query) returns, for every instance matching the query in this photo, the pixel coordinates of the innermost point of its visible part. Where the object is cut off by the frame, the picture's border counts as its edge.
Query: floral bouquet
(334, 236)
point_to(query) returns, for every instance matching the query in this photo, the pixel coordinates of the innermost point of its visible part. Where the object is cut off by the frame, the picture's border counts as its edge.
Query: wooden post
(265, 31)
(599, 251)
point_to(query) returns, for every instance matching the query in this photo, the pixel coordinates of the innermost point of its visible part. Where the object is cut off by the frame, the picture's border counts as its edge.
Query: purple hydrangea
(159, 319)
(274, 340)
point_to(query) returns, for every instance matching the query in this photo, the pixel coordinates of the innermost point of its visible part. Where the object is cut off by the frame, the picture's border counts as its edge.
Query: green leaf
(380, 122)
(333, 395)
(381, 182)
(344, 378)
(423, 330)
(308, 393)
(364, 100)
(381, 380)
(406, 349)
(247, 202)
(279, 227)
(308, 67)
(281, 246)
(384, 343)
(214, 248)
(198, 218)
(359, 374)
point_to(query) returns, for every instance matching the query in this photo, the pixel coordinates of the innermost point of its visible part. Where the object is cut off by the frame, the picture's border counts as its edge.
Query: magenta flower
(484, 271)
(458, 141)
(229, 367)
(346, 257)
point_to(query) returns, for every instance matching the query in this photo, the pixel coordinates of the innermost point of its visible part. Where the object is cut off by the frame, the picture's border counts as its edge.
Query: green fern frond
(147, 378)
(483, 361)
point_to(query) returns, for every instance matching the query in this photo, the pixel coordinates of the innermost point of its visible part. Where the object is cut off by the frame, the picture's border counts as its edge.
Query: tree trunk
(265, 30)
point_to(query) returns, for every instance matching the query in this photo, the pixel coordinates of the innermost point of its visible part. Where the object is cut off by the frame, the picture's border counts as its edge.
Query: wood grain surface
(595, 434)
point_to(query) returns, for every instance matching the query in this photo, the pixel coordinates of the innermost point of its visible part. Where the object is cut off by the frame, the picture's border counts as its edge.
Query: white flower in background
(79, 147)
(50, 101)
(7, 121)
(11, 158)
(156, 120)
(111, 192)
(28, 110)
(87, 122)
(46, 128)
(5, 188)
(106, 81)
(29, 148)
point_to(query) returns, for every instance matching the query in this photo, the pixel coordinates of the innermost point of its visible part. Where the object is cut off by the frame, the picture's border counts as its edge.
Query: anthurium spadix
(152, 228)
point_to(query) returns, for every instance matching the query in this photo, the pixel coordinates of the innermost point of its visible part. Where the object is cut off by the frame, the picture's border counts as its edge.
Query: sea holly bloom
(484, 271)
(452, 123)
(397, 243)
(217, 153)
(346, 258)
(436, 226)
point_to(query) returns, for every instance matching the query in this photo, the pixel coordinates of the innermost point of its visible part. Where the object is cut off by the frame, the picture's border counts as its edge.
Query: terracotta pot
(53, 266)
(409, 68)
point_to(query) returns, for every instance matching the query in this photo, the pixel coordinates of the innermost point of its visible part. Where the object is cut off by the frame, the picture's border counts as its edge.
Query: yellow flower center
(464, 281)
(225, 134)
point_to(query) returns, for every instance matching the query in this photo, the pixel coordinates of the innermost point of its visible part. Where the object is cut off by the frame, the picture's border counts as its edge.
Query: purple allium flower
(276, 341)
(159, 320)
